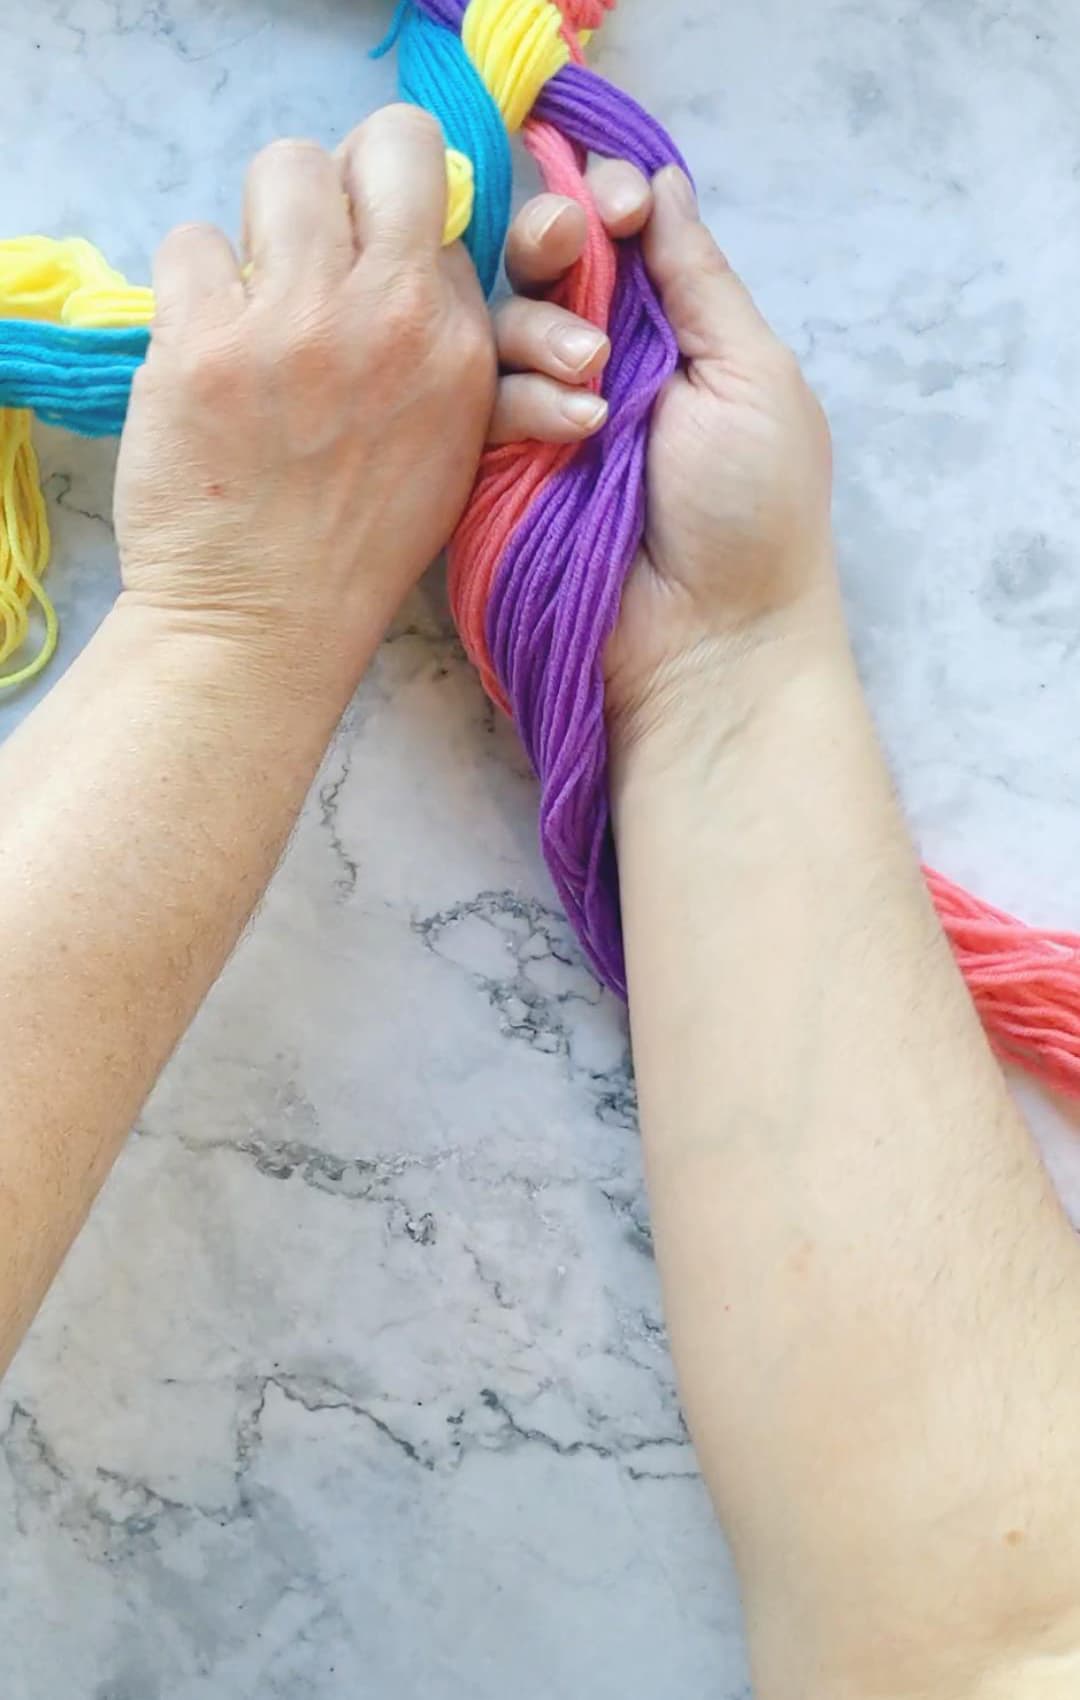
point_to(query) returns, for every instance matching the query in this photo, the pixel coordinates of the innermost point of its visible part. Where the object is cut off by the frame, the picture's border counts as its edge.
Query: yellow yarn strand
(517, 46)
(24, 550)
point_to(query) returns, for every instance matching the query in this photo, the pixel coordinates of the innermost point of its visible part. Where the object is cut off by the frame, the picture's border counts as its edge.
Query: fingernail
(681, 190)
(584, 409)
(543, 222)
(620, 191)
(623, 204)
(576, 346)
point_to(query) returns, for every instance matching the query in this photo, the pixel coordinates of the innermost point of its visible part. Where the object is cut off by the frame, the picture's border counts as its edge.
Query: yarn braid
(539, 562)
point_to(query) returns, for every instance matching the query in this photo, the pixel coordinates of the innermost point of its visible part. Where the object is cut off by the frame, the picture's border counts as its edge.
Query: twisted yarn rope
(539, 562)
(538, 566)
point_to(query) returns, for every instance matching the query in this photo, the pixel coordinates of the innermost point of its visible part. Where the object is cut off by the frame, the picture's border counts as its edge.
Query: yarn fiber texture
(538, 564)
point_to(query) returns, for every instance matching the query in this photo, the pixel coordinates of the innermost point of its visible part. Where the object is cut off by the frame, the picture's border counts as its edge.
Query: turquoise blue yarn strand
(435, 72)
(78, 379)
(390, 39)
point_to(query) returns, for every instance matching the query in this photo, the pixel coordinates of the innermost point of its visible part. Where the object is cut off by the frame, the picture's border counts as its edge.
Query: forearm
(148, 802)
(866, 1270)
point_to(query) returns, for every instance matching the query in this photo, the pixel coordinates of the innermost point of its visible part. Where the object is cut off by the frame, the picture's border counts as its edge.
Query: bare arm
(874, 1297)
(131, 862)
(285, 477)
(872, 1292)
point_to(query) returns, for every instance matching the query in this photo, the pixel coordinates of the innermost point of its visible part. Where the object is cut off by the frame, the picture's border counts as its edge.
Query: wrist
(211, 695)
(218, 663)
(707, 703)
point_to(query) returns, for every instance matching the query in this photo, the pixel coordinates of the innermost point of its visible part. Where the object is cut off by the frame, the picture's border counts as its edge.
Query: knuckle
(515, 320)
(303, 352)
(407, 314)
(411, 120)
(476, 353)
(211, 371)
(702, 250)
(287, 151)
(191, 231)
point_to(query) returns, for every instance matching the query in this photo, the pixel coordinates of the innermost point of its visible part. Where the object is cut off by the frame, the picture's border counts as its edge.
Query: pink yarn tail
(1026, 984)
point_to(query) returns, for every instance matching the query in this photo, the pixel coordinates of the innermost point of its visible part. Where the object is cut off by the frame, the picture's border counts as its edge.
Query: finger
(460, 273)
(532, 408)
(710, 309)
(549, 234)
(296, 221)
(546, 239)
(394, 168)
(196, 279)
(623, 196)
(534, 336)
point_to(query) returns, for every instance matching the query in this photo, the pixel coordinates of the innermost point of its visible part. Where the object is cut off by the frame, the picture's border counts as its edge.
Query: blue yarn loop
(435, 72)
(78, 379)
(390, 39)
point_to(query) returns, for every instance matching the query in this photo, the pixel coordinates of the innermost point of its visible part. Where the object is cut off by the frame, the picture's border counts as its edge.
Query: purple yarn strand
(558, 589)
(446, 12)
(605, 120)
(554, 605)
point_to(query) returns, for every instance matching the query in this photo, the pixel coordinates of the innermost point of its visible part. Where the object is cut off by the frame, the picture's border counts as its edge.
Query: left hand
(302, 440)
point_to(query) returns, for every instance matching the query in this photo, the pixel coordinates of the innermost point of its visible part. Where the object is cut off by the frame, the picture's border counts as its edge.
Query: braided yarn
(539, 561)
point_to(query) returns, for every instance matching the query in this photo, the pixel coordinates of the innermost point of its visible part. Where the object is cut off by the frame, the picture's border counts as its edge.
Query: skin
(873, 1295)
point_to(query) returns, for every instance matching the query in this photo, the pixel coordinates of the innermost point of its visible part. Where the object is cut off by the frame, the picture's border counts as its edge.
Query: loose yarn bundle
(539, 562)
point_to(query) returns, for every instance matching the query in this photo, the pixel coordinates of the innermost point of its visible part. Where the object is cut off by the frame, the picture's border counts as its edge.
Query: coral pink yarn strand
(511, 478)
(1024, 983)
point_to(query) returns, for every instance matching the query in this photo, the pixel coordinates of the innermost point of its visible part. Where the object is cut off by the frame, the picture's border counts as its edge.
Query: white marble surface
(356, 1383)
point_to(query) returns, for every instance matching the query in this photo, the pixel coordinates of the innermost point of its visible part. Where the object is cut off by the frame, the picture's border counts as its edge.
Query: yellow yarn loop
(24, 549)
(68, 283)
(517, 46)
(461, 192)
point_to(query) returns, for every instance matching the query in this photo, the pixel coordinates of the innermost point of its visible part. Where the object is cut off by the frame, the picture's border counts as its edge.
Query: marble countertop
(356, 1382)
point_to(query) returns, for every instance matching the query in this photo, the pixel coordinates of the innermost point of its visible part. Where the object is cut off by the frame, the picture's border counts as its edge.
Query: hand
(304, 435)
(550, 360)
(740, 468)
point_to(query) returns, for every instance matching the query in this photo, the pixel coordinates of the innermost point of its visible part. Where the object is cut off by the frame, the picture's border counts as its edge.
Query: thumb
(710, 308)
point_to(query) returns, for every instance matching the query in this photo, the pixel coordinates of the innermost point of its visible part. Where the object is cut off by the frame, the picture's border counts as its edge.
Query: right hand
(740, 464)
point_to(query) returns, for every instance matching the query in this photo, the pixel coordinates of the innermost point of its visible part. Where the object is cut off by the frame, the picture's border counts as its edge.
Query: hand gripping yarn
(539, 562)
